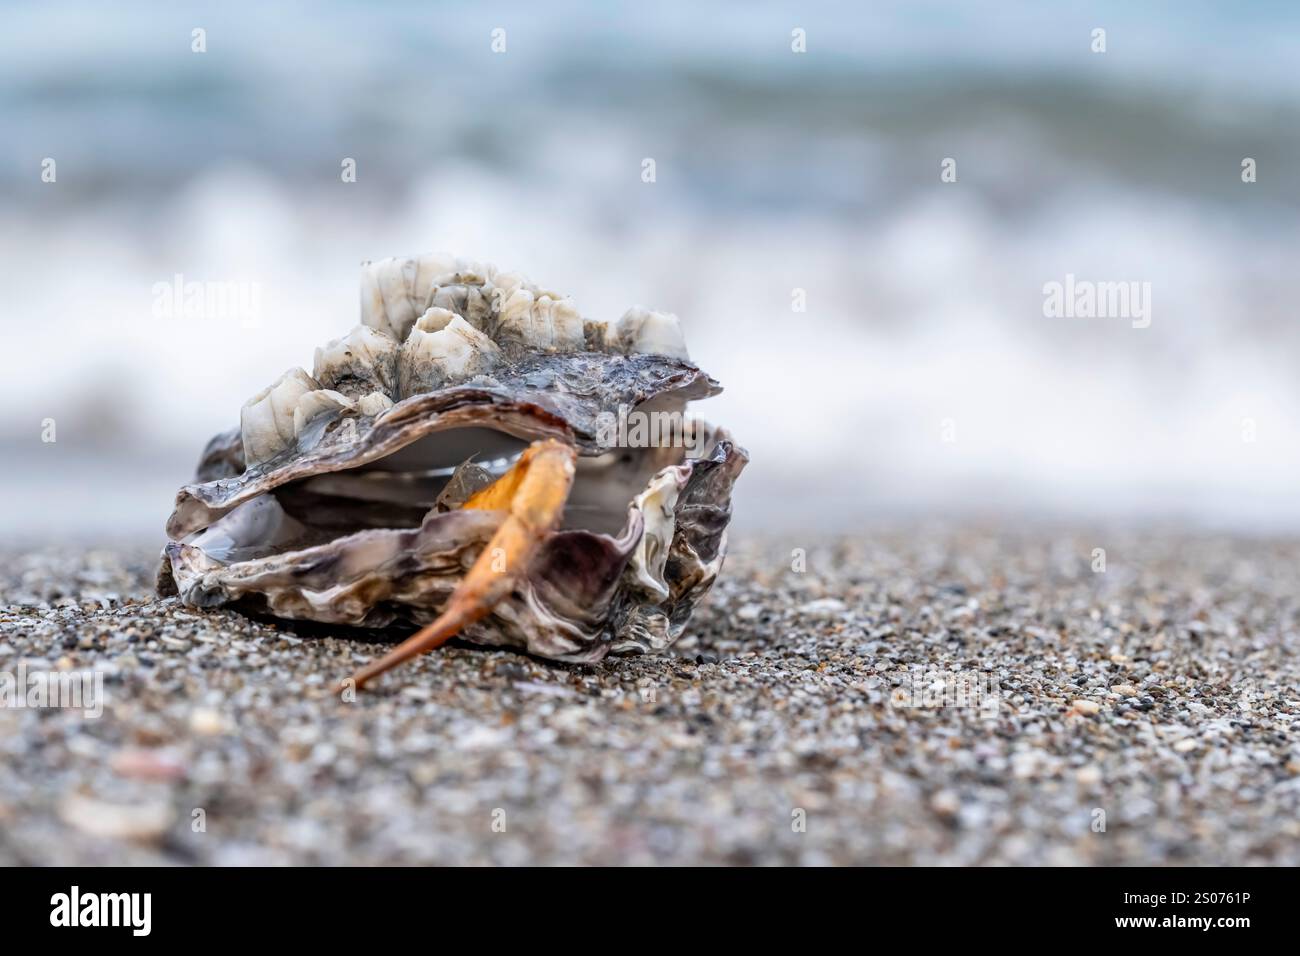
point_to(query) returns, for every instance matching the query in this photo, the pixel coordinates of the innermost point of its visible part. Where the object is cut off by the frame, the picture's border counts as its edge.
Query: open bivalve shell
(466, 413)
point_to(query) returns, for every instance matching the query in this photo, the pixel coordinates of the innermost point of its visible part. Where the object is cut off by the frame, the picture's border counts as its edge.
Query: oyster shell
(341, 497)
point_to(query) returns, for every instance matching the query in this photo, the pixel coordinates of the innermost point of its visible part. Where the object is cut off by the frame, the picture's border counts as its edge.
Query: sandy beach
(1136, 715)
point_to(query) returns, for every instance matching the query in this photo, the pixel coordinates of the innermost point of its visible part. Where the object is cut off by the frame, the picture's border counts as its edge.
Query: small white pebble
(823, 607)
(207, 722)
(142, 822)
(945, 803)
(1185, 746)
(1088, 707)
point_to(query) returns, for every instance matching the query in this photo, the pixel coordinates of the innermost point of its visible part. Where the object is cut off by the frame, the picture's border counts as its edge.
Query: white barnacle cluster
(432, 321)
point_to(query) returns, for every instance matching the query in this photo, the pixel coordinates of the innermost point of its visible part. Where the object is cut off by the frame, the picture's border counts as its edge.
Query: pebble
(147, 764)
(207, 722)
(544, 690)
(137, 822)
(1088, 776)
(945, 803)
(823, 607)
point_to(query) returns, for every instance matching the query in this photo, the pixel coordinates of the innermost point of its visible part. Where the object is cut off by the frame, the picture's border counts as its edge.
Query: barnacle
(473, 459)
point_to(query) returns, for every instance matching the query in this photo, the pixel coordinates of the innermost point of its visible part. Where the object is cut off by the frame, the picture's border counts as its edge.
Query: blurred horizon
(775, 172)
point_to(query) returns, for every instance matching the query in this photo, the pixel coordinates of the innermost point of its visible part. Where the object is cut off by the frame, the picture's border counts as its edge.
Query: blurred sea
(775, 172)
